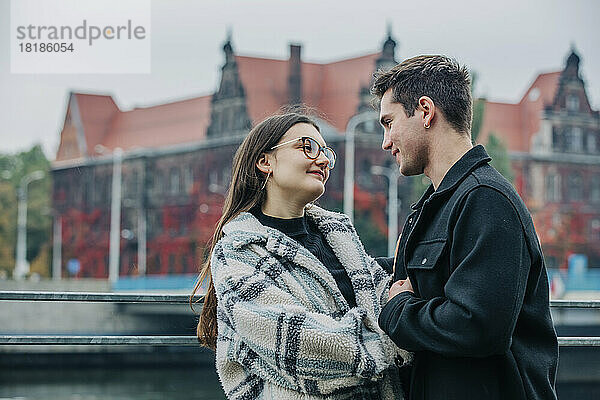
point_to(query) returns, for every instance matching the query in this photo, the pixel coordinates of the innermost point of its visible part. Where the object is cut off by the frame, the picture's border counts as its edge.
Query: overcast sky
(507, 42)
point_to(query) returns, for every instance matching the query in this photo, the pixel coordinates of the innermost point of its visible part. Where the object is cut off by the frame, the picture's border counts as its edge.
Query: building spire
(573, 59)
(228, 48)
(572, 65)
(570, 83)
(295, 74)
(387, 59)
(228, 104)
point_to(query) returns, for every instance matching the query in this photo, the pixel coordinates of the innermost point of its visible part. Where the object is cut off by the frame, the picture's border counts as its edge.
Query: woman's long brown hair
(244, 193)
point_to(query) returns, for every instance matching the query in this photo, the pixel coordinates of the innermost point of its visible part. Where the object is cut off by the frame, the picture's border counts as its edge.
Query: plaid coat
(285, 330)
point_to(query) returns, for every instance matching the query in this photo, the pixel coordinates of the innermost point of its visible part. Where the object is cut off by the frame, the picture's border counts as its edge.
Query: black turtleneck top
(305, 232)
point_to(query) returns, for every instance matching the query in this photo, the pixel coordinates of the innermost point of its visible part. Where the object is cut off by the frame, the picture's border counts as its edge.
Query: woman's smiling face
(294, 176)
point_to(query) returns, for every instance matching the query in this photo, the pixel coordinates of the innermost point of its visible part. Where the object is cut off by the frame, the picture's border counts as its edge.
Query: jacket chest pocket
(427, 269)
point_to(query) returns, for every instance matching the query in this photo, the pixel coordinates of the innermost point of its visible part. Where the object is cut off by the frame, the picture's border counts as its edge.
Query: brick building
(553, 138)
(177, 158)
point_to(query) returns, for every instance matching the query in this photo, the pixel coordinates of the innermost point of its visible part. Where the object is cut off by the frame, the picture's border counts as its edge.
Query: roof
(168, 124)
(103, 123)
(332, 88)
(342, 83)
(96, 113)
(504, 121)
(515, 124)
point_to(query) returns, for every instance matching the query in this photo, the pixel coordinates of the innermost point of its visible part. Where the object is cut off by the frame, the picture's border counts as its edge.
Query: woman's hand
(400, 286)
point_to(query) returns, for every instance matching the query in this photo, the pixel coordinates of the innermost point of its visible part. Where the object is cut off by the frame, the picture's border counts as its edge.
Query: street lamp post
(392, 174)
(114, 251)
(21, 264)
(57, 248)
(349, 160)
(141, 252)
(115, 217)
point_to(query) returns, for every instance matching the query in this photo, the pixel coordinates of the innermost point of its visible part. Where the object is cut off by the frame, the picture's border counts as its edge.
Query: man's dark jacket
(479, 319)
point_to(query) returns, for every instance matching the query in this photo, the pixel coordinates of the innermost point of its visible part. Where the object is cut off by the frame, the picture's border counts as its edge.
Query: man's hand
(399, 287)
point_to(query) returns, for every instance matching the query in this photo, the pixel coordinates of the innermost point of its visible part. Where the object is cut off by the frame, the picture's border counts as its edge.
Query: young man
(470, 296)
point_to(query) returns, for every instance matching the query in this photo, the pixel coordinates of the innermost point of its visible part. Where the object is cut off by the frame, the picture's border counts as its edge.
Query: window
(77, 191)
(153, 264)
(184, 264)
(226, 176)
(219, 121)
(174, 181)
(99, 189)
(574, 187)
(213, 181)
(556, 138)
(573, 140)
(595, 189)
(171, 269)
(229, 120)
(153, 223)
(552, 187)
(189, 179)
(572, 103)
(134, 185)
(86, 192)
(595, 229)
(592, 144)
(159, 186)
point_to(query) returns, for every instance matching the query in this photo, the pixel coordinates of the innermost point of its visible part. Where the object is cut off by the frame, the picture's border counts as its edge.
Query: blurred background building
(176, 161)
(553, 139)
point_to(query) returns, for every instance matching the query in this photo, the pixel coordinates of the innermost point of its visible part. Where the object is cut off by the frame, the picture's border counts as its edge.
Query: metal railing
(180, 299)
(97, 297)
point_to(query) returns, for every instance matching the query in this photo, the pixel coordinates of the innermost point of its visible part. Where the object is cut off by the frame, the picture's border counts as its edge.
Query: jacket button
(410, 220)
(424, 261)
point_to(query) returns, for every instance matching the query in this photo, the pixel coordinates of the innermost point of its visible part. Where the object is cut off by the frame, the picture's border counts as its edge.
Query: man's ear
(264, 164)
(427, 108)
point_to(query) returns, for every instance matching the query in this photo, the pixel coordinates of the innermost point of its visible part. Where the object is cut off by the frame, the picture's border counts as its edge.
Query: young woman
(293, 298)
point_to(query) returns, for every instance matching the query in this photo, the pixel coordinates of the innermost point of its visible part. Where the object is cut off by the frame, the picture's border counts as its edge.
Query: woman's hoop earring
(426, 125)
(266, 180)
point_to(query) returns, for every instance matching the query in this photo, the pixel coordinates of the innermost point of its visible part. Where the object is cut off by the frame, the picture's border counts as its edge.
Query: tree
(500, 159)
(8, 226)
(373, 239)
(419, 185)
(39, 221)
(495, 146)
(478, 108)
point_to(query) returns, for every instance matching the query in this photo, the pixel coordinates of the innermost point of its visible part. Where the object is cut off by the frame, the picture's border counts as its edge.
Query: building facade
(553, 139)
(176, 161)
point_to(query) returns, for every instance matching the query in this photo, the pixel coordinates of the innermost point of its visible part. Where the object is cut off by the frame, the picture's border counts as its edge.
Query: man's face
(403, 136)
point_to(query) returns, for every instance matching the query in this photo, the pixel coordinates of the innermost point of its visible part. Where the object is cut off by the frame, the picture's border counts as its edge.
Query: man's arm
(476, 316)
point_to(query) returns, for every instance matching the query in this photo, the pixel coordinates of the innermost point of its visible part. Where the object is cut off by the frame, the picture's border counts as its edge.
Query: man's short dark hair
(442, 79)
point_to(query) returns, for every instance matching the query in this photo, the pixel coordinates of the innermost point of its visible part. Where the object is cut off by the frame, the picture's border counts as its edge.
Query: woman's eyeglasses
(312, 149)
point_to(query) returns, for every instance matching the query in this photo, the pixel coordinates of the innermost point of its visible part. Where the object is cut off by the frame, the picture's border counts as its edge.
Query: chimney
(295, 75)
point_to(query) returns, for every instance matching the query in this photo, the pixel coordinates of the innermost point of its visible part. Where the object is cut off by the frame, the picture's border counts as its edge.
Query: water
(110, 384)
(143, 383)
